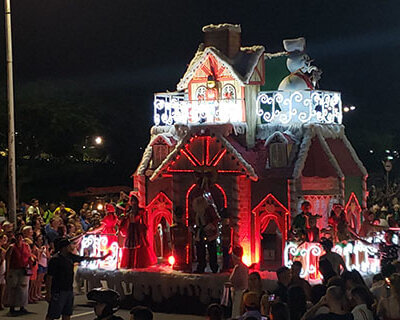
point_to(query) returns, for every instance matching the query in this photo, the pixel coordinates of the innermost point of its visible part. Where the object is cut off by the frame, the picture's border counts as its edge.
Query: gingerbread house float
(253, 128)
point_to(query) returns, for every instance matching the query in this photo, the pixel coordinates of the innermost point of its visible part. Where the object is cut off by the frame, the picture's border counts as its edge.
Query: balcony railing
(297, 107)
(171, 108)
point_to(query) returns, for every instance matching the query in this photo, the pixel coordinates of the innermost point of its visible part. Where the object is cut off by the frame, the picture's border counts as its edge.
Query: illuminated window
(229, 92)
(201, 93)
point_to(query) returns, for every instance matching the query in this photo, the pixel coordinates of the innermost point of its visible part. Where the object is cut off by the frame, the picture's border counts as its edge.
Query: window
(228, 92)
(278, 155)
(200, 93)
(160, 152)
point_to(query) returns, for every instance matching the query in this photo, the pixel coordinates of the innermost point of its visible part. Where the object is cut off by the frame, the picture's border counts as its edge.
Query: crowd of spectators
(27, 246)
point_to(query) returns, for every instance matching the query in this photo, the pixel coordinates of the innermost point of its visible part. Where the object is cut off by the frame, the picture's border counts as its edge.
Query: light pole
(12, 202)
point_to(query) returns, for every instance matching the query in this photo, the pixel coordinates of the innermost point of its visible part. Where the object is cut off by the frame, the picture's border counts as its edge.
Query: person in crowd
(106, 303)
(206, 234)
(136, 252)
(51, 230)
(8, 229)
(3, 211)
(326, 270)
(279, 311)
(141, 313)
(297, 302)
(388, 250)
(254, 285)
(281, 292)
(352, 279)
(43, 257)
(389, 305)
(32, 271)
(361, 302)
(380, 288)
(180, 241)
(238, 280)
(335, 301)
(33, 210)
(296, 280)
(49, 213)
(334, 258)
(37, 225)
(252, 307)
(60, 278)
(18, 259)
(27, 232)
(3, 243)
(214, 312)
(317, 292)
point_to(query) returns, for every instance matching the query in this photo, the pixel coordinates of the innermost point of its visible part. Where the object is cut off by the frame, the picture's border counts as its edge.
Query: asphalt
(83, 311)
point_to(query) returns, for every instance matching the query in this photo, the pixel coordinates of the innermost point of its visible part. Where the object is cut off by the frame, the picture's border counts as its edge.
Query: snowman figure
(303, 77)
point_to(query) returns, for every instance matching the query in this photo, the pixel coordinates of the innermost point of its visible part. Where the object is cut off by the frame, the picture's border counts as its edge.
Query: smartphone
(271, 297)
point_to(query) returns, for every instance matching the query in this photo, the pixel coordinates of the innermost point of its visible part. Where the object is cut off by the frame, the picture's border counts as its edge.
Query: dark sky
(129, 49)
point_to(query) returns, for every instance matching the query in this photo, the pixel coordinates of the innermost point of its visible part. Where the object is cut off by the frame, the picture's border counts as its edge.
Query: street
(82, 311)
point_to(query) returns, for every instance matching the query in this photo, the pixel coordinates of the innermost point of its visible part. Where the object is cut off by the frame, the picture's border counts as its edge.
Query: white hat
(292, 45)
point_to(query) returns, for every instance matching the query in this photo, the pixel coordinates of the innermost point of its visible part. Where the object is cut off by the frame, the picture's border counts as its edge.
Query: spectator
(297, 302)
(43, 256)
(281, 292)
(251, 303)
(379, 289)
(361, 301)
(49, 213)
(33, 210)
(106, 303)
(317, 292)
(279, 311)
(60, 278)
(334, 258)
(296, 280)
(18, 260)
(254, 285)
(3, 242)
(3, 211)
(52, 230)
(238, 280)
(27, 232)
(389, 307)
(141, 313)
(335, 301)
(214, 312)
(327, 272)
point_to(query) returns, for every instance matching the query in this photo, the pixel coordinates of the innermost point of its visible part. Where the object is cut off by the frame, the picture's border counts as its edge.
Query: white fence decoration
(357, 255)
(305, 106)
(97, 245)
(171, 108)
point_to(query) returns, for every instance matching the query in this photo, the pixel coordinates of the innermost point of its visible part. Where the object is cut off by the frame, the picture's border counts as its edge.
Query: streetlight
(12, 201)
(98, 140)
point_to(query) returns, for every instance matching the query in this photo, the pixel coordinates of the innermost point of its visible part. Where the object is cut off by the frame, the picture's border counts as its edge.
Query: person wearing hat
(60, 279)
(106, 303)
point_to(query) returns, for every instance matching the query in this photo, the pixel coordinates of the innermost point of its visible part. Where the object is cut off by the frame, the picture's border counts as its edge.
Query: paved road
(84, 312)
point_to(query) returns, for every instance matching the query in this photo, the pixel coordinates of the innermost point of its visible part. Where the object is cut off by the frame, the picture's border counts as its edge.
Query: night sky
(121, 52)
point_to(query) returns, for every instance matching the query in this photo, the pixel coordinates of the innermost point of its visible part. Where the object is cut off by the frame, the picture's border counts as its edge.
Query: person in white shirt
(361, 300)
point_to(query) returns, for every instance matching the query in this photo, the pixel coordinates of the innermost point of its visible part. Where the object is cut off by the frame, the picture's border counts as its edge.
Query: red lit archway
(353, 212)
(269, 209)
(160, 207)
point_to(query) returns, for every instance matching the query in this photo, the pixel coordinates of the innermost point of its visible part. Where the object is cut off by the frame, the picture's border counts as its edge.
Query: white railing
(171, 108)
(298, 107)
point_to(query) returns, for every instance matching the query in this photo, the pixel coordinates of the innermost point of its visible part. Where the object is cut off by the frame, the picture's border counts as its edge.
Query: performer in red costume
(136, 252)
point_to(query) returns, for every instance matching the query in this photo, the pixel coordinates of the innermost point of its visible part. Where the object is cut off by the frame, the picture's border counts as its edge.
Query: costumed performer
(136, 252)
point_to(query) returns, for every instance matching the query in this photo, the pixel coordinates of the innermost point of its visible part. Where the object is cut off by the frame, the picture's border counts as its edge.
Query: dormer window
(277, 145)
(201, 93)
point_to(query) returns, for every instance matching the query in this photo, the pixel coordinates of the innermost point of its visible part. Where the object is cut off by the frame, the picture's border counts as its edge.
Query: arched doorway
(270, 221)
(159, 220)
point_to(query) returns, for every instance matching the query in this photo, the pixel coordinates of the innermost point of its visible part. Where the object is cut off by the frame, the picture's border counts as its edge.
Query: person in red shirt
(17, 278)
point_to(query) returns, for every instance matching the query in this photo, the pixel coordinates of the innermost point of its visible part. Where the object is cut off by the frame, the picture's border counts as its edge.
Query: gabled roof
(324, 132)
(241, 66)
(184, 140)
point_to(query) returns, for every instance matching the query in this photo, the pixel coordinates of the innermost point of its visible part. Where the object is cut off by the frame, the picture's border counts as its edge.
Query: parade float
(253, 133)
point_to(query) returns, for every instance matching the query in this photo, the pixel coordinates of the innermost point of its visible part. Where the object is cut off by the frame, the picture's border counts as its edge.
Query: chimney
(225, 37)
